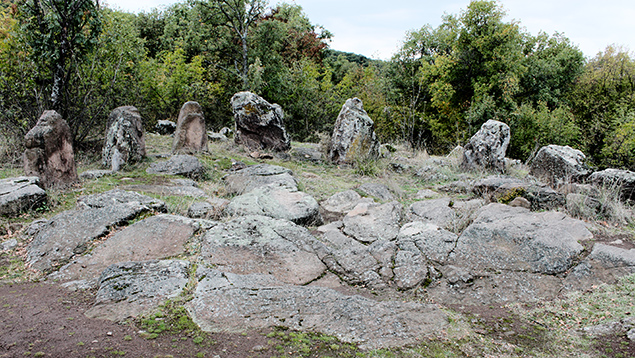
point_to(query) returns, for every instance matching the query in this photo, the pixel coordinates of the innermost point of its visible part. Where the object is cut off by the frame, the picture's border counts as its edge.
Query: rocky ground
(233, 254)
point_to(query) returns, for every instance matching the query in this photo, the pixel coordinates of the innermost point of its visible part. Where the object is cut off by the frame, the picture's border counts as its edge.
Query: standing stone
(354, 135)
(190, 136)
(486, 149)
(259, 124)
(557, 164)
(622, 181)
(125, 138)
(49, 151)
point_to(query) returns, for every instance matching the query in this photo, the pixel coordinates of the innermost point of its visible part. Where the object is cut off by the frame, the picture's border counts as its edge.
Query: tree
(240, 16)
(60, 34)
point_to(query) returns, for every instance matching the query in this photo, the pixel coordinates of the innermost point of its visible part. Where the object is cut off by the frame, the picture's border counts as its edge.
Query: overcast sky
(376, 28)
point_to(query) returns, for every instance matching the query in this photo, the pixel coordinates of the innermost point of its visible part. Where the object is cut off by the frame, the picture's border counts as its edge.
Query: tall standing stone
(354, 134)
(486, 149)
(49, 151)
(259, 124)
(125, 138)
(190, 136)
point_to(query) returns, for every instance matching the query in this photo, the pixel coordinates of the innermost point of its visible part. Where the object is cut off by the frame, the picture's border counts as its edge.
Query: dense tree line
(443, 83)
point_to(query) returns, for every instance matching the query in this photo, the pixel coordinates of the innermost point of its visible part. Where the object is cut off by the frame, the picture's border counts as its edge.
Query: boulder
(371, 222)
(622, 181)
(277, 202)
(310, 154)
(95, 174)
(259, 124)
(190, 136)
(354, 135)
(378, 191)
(49, 152)
(605, 264)
(118, 196)
(185, 165)
(133, 288)
(226, 302)
(125, 139)
(487, 148)
(259, 244)
(516, 239)
(557, 165)
(216, 137)
(339, 204)
(444, 212)
(249, 178)
(20, 194)
(165, 127)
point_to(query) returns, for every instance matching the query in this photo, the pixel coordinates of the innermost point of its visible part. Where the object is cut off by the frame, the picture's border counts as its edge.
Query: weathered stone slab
(507, 238)
(157, 237)
(259, 124)
(247, 179)
(378, 191)
(124, 142)
(132, 288)
(226, 302)
(190, 136)
(185, 165)
(118, 196)
(20, 194)
(259, 244)
(371, 222)
(277, 202)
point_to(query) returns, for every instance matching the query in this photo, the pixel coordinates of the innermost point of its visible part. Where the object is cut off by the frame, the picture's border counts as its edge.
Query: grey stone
(168, 190)
(507, 238)
(8, 245)
(430, 174)
(20, 194)
(118, 196)
(216, 137)
(313, 155)
(605, 264)
(94, 174)
(132, 288)
(157, 237)
(49, 152)
(185, 165)
(558, 165)
(371, 222)
(259, 124)
(339, 204)
(124, 142)
(426, 194)
(226, 302)
(501, 188)
(487, 148)
(277, 202)
(247, 179)
(212, 208)
(165, 127)
(259, 244)
(378, 191)
(190, 136)
(70, 233)
(520, 202)
(444, 212)
(227, 132)
(622, 181)
(354, 135)
(434, 243)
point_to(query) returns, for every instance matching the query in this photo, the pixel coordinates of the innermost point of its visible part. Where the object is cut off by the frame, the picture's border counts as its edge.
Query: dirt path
(46, 320)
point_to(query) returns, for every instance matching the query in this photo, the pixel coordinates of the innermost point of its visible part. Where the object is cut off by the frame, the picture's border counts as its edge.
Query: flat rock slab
(541, 196)
(118, 196)
(157, 237)
(20, 194)
(255, 176)
(371, 222)
(226, 302)
(58, 240)
(378, 191)
(185, 165)
(605, 263)
(168, 190)
(444, 212)
(132, 288)
(259, 244)
(278, 203)
(508, 238)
